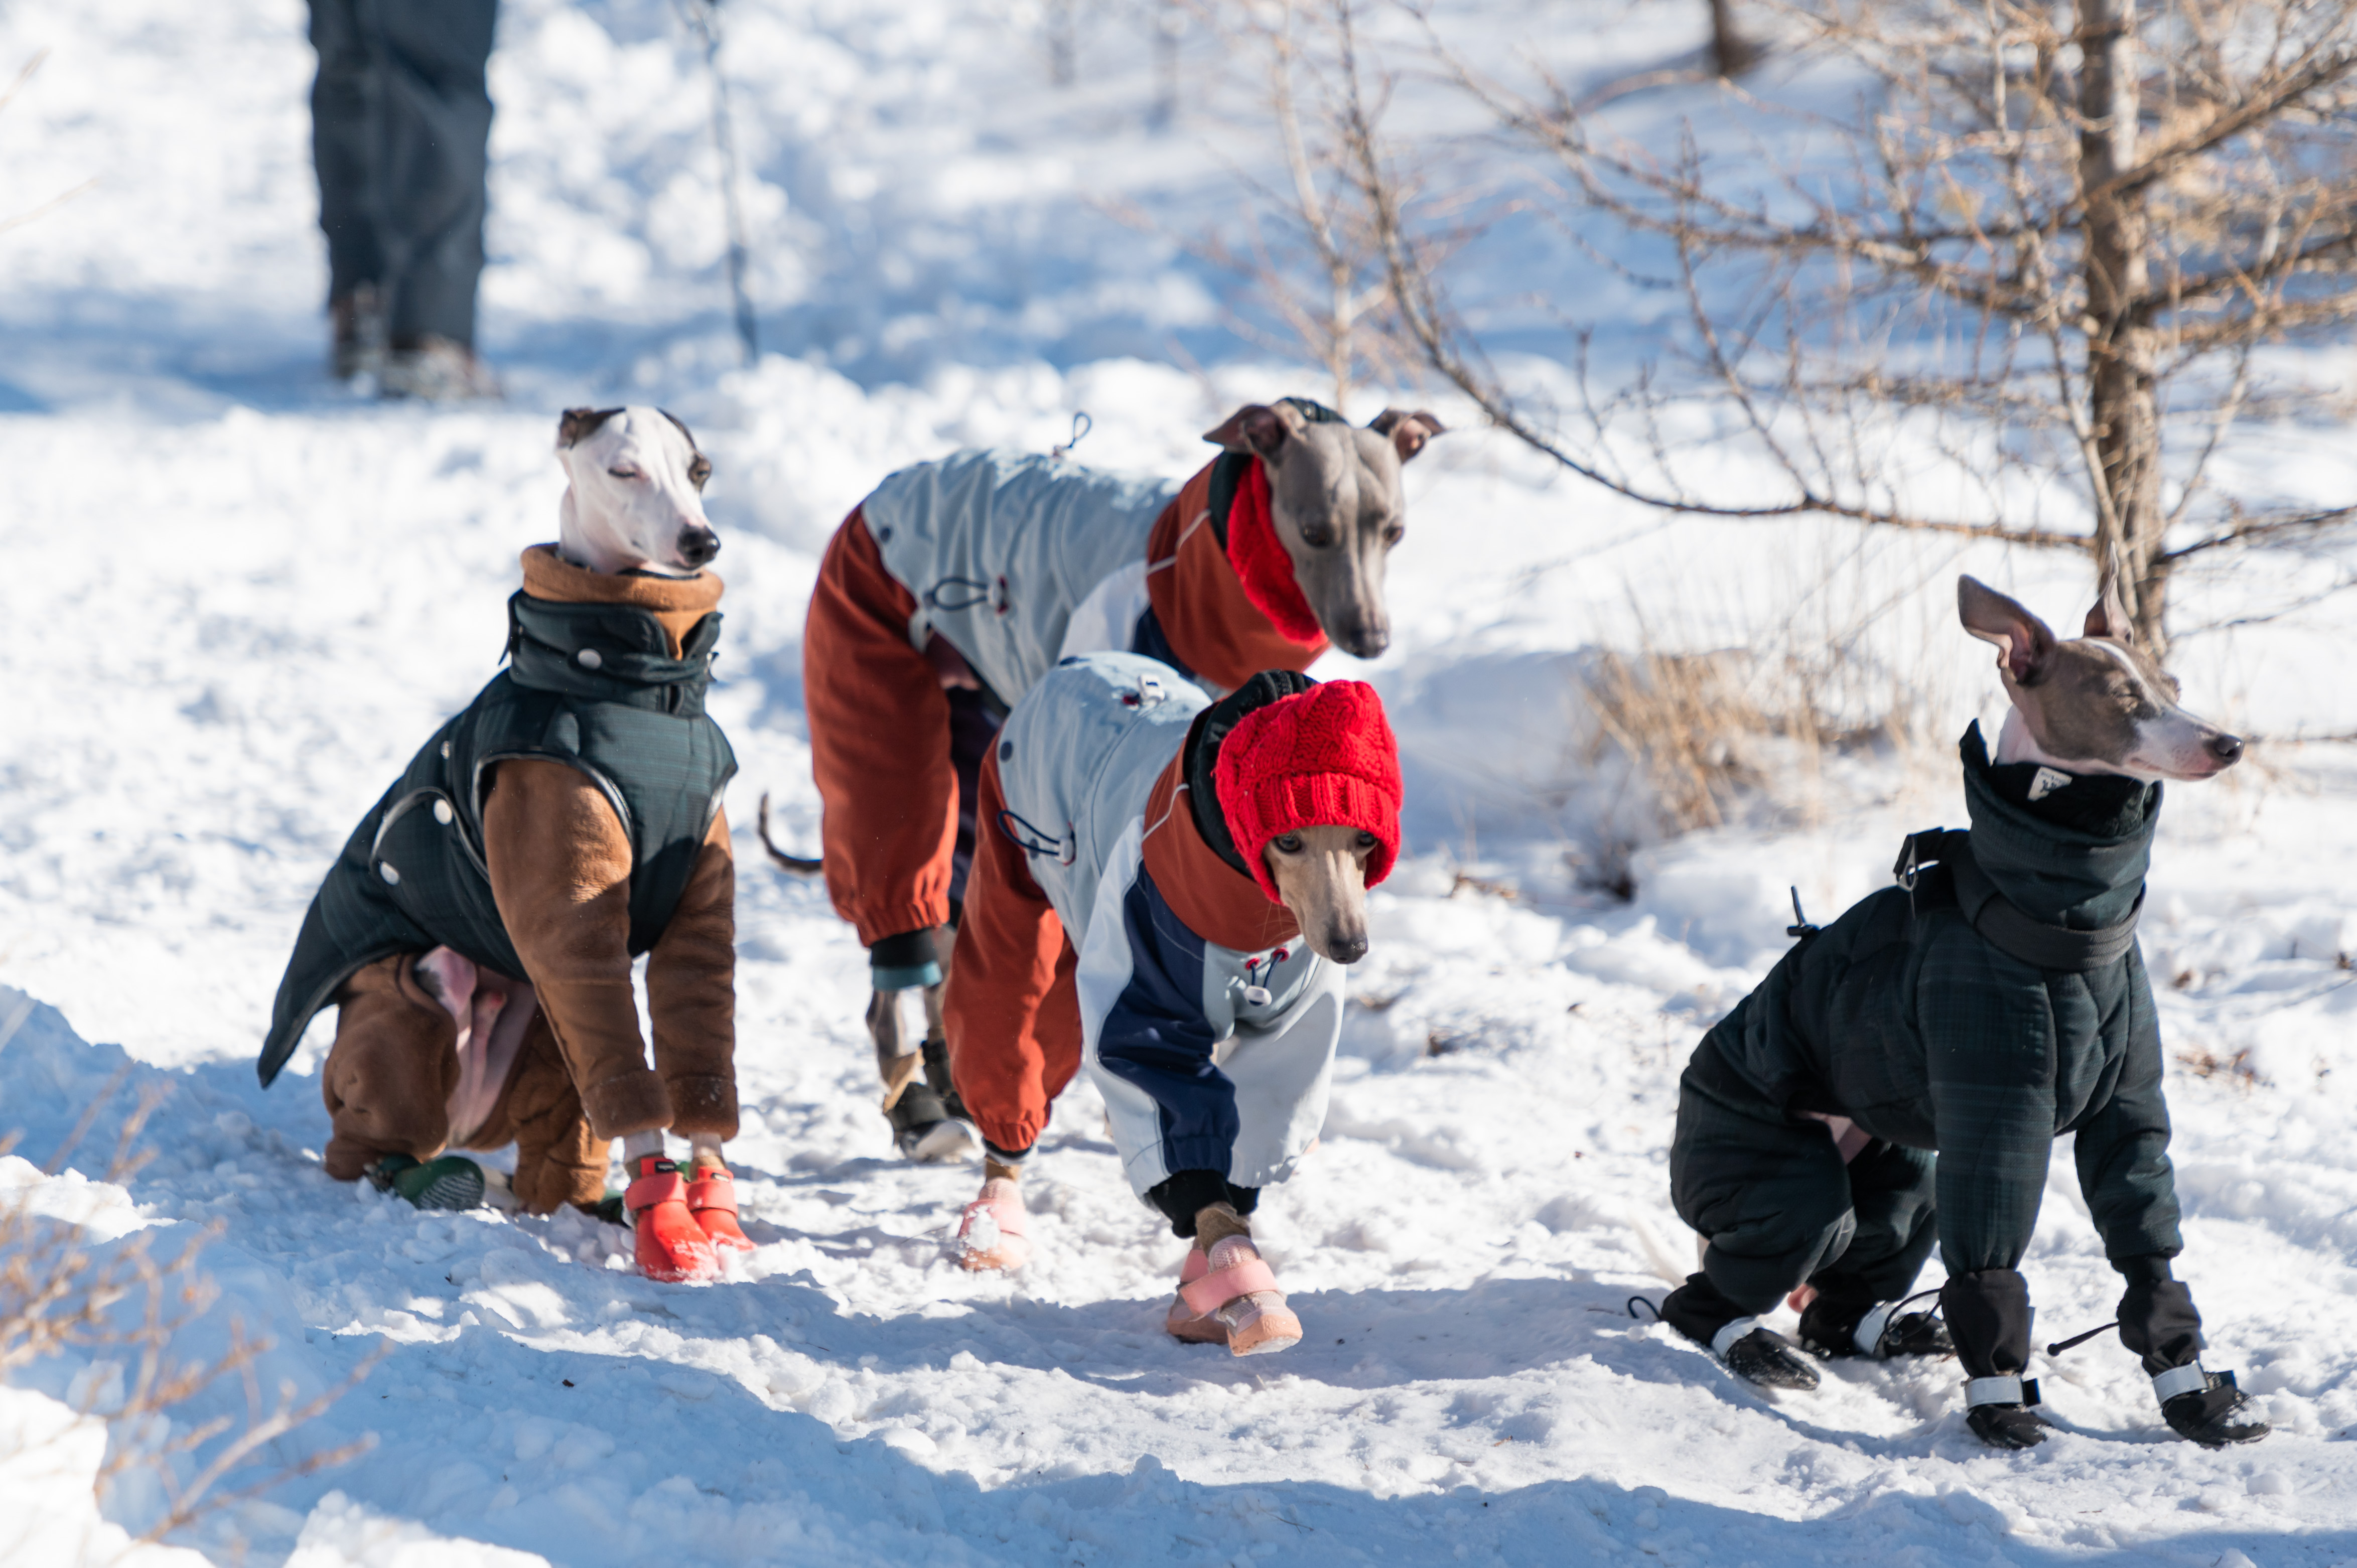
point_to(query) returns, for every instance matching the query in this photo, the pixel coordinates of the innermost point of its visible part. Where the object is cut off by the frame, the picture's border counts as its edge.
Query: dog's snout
(698, 545)
(1365, 640)
(2226, 749)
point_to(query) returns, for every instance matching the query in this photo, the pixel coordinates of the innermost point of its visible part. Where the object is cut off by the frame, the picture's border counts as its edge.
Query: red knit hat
(1323, 757)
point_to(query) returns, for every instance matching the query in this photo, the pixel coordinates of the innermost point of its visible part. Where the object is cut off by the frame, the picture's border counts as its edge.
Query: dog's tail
(793, 862)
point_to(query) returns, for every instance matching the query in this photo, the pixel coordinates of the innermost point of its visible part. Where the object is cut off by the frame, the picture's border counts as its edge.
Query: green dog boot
(449, 1181)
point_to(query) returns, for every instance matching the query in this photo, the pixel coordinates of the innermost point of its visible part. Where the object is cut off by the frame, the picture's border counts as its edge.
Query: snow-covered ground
(238, 597)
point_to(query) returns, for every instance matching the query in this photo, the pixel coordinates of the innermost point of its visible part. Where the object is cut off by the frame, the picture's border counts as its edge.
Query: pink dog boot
(711, 1198)
(1238, 1288)
(992, 1232)
(670, 1245)
(1184, 1322)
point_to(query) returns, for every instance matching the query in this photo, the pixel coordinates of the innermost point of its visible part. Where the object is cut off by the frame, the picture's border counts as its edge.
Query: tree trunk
(2123, 403)
(1732, 54)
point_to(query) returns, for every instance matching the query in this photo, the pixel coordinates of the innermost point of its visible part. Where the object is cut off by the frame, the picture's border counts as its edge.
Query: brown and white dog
(479, 932)
(957, 585)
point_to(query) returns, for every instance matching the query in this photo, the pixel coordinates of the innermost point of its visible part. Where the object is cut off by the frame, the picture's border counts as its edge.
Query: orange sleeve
(879, 735)
(560, 866)
(1012, 1012)
(692, 993)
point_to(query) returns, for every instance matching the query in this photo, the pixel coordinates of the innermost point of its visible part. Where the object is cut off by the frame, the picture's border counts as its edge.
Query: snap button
(588, 658)
(446, 751)
(384, 869)
(1005, 750)
(442, 813)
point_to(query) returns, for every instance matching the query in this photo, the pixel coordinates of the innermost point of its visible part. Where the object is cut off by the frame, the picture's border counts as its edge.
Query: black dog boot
(930, 1123)
(1999, 1411)
(1697, 1310)
(2207, 1407)
(1880, 1329)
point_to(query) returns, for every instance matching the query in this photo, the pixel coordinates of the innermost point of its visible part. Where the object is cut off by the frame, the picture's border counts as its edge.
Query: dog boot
(991, 1233)
(930, 1123)
(1880, 1329)
(711, 1198)
(2207, 1407)
(451, 1181)
(2001, 1412)
(670, 1245)
(1697, 1310)
(1183, 1322)
(1238, 1291)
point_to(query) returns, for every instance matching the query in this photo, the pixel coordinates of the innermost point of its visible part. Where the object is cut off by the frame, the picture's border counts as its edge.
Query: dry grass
(125, 1303)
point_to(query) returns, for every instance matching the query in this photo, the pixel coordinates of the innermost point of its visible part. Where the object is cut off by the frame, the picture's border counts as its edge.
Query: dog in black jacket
(1903, 1073)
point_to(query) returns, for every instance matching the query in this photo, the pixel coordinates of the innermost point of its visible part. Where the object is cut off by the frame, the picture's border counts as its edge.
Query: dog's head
(635, 499)
(1335, 499)
(2099, 702)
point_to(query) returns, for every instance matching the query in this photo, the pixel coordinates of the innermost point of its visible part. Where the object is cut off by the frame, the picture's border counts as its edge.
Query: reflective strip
(1993, 1391)
(2189, 1379)
(1871, 1327)
(1724, 1341)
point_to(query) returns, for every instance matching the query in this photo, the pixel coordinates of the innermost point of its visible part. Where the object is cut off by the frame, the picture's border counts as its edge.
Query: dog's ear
(576, 424)
(1258, 429)
(2024, 642)
(2110, 616)
(1408, 432)
(683, 430)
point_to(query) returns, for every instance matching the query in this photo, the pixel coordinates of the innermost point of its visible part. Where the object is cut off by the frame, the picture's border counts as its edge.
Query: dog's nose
(2226, 749)
(1362, 640)
(697, 545)
(1346, 947)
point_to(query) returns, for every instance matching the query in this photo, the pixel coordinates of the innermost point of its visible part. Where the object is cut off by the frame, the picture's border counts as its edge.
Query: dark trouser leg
(1769, 1196)
(1891, 1192)
(1988, 1316)
(437, 127)
(345, 110)
(974, 718)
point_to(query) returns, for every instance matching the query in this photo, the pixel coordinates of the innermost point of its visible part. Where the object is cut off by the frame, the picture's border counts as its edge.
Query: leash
(2077, 1340)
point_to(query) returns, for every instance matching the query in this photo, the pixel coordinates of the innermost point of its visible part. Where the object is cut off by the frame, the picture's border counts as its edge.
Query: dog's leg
(898, 1061)
(704, 1150)
(712, 1194)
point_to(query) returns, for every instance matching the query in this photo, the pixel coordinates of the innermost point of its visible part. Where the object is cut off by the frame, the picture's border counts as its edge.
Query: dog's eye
(699, 471)
(623, 471)
(1286, 843)
(1368, 840)
(1394, 534)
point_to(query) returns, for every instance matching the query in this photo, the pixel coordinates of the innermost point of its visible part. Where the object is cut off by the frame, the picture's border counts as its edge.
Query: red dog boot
(711, 1198)
(672, 1245)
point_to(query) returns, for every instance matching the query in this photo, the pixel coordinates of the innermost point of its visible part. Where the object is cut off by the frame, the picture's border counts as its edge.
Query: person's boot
(930, 1123)
(1697, 1310)
(447, 1181)
(435, 369)
(356, 330)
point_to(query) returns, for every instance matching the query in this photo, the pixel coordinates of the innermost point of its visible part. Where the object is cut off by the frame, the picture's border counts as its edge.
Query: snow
(239, 598)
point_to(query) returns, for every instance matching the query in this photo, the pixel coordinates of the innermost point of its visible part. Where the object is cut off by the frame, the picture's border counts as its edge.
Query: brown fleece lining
(1217, 903)
(1211, 624)
(678, 603)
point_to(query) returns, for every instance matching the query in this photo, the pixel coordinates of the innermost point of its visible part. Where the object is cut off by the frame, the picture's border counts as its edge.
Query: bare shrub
(124, 1302)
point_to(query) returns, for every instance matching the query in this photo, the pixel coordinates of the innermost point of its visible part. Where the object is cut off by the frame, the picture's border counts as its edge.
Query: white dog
(636, 501)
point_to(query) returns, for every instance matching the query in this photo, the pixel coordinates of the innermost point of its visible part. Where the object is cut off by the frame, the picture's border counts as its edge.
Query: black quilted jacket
(1909, 1023)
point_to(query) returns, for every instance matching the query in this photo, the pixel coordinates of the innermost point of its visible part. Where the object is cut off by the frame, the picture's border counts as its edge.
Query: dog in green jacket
(1902, 1075)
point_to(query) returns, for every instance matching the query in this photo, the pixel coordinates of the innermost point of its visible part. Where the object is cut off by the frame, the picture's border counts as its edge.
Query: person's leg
(437, 128)
(388, 1078)
(346, 109)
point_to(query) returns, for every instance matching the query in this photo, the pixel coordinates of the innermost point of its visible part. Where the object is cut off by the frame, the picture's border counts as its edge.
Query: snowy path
(237, 600)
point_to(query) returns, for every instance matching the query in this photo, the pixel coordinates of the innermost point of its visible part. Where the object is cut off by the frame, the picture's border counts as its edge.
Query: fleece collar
(627, 638)
(2075, 855)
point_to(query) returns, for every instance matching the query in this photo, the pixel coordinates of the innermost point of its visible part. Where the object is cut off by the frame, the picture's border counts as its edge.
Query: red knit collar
(1262, 566)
